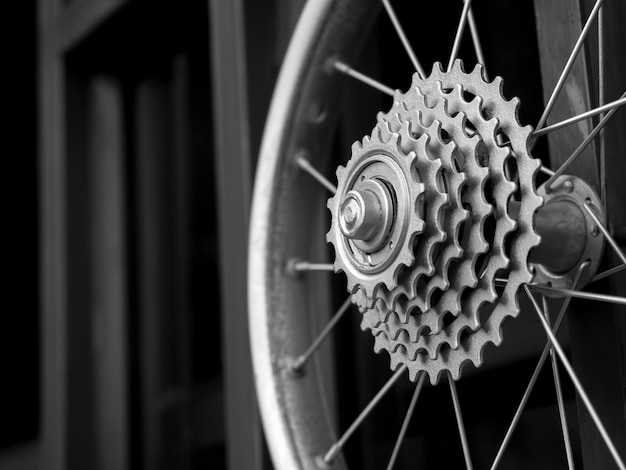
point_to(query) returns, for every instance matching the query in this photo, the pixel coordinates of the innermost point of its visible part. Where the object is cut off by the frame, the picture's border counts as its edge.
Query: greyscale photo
(315, 235)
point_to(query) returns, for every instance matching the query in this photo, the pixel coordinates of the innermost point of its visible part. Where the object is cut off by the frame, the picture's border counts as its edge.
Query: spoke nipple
(569, 186)
(330, 456)
(321, 463)
(594, 230)
(294, 267)
(295, 367)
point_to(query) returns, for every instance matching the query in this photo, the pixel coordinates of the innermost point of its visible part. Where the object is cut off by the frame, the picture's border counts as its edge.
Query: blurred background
(134, 131)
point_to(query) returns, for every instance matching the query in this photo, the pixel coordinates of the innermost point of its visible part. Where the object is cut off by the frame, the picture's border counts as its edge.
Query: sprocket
(446, 332)
(378, 192)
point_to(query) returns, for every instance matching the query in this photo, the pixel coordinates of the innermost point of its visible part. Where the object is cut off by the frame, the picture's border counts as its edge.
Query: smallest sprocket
(376, 214)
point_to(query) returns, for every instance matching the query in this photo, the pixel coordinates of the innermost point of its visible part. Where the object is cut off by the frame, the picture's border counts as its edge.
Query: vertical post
(53, 248)
(108, 264)
(233, 183)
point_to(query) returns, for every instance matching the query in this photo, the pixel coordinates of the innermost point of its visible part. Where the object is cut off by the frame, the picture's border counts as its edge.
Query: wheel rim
(296, 418)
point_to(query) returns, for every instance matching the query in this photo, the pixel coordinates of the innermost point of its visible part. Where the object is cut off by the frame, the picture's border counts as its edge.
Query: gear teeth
(348, 258)
(414, 331)
(398, 120)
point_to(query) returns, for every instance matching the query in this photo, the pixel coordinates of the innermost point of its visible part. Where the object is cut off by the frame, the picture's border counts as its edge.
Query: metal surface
(418, 325)
(379, 160)
(569, 234)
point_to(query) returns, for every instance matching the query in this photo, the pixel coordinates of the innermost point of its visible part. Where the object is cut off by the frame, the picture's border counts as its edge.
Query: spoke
(306, 166)
(345, 68)
(475, 39)
(459, 33)
(613, 299)
(407, 419)
(579, 294)
(579, 388)
(459, 422)
(545, 170)
(299, 363)
(402, 36)
(337, 446)
(301, 266)
(608, 272)
(569, 64)
(559, 395)
(601, 90)
(580, 117)
(605, 232)
(583, 145)
(535, 375)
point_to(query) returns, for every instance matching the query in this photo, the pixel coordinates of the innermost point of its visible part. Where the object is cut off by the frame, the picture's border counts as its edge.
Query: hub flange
(569, 235)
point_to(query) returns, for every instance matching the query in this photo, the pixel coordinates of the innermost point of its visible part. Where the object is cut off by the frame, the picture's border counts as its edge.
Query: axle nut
(360, 215)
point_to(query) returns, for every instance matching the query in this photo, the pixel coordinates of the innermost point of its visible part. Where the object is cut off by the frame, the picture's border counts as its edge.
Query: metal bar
(407, 419)
(459, 33)
(345, 68)
(300, 266)
(299, 363)
(535, 374)
(230, 91)
(576, 382)
(569, 64)
(605, 232)
(572, 293)
(578, 294)
(593, 112)
(403, 38)
(337, 446)
(582, 146)
(476, 40)
(546, 170)
(306, 166)
(459, 422)
(559, 395)
(601, 98)
(608, 272)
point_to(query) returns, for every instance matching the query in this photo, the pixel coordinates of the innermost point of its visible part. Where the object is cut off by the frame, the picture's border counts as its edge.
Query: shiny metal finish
(381, 192)
(366, 214)
(567, 232)
(417, 324)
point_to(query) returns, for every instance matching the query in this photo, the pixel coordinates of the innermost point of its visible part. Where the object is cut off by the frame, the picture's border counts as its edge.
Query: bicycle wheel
(437, 221)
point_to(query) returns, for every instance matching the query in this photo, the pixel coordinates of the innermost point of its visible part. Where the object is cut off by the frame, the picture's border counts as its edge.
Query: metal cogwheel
(431, 340)
(464, 161)
(473, 274)
(438, 244)
(422, 317)
(376, 214)
(443, 184)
